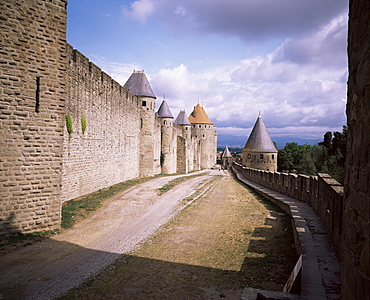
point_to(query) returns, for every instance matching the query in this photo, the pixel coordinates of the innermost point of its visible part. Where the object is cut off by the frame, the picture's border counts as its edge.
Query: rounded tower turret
(168, 155)
(226, 158)
(260, 152)
(139, 86)
(205, 144)
(184, 142)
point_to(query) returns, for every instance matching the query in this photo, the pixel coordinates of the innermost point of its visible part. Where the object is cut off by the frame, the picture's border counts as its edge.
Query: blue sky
(285, 59)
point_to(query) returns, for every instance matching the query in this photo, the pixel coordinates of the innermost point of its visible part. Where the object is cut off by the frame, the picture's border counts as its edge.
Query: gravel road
(49, 268)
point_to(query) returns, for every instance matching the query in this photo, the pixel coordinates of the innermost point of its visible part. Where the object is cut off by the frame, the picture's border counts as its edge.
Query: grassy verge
(175, 182)
(78, 209)
(73, 211)
(227, 239)
(200, 190)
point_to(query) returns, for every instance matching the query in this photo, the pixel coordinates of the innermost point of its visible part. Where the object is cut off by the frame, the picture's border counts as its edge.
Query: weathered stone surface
(68, 129)
(356, 226)
(32, 113)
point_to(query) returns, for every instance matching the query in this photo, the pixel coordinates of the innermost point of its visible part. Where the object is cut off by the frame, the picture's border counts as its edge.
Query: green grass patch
(74, 211)
(175, 182)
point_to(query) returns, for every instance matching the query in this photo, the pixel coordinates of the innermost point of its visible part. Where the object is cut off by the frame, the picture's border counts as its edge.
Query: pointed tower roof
(164, 111)
(138, 85)
(182, 118)
(259, 140)
(226, 153)
(199, 116)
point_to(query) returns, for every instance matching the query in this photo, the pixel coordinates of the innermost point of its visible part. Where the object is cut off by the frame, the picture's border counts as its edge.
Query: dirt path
(226, 240)
(47, 269)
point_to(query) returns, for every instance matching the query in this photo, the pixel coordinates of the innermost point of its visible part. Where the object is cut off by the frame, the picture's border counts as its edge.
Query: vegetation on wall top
(83, 124)
(69, 124)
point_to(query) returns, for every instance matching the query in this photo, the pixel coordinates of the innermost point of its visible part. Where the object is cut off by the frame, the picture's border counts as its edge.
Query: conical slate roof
(259, 140)
(182, 118)
(164, 111)
(226, 153)
(138, 85)
(199, 116)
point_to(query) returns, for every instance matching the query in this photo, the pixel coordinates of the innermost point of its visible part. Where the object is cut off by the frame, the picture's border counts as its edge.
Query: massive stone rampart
(323, 193)
(32, 94)
(106, 150)
(356, 224)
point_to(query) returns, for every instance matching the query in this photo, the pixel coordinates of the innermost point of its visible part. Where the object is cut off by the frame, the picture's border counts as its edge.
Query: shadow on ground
(51, 269)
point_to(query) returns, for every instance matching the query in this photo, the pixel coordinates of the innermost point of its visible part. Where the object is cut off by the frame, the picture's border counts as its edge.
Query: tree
(285, 161)
(289, 157)
(334, 146)
(327, 156)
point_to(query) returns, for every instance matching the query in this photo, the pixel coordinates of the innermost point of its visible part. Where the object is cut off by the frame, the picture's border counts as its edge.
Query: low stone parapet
(323, 193)
(320, 273)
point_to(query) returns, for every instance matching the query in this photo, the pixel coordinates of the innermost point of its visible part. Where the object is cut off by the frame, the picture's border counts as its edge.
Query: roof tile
(199, 116)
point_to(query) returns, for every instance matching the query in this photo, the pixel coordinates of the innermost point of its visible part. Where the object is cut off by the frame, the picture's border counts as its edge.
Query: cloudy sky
(283, 58)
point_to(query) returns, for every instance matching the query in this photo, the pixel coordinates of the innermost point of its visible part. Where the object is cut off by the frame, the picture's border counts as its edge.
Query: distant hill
(239, 141)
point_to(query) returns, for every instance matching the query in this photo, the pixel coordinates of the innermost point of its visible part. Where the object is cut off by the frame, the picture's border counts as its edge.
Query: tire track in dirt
(49, 268)
(226, 240)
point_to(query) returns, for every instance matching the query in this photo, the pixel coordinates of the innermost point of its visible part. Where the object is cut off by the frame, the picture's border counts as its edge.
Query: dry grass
(226, 240)
(175, 182)
(73, 211)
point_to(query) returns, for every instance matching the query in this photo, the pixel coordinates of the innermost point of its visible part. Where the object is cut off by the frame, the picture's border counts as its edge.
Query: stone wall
(260, 160)
(107, 152)
(204, 145)
(67, 128)
(356, 226)
(32, 89)
(323, 193)
(149, 153)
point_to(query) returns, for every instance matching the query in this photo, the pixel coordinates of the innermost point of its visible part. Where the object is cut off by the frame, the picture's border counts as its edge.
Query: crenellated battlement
(83, 71)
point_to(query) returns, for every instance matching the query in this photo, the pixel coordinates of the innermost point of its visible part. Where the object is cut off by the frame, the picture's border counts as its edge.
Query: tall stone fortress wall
(32, 102)
(355, 264)
(68, 129)
(105, 152)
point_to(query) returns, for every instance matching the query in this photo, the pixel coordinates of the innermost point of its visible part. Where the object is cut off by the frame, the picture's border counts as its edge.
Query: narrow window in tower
(141, 123)
(165, 122)
(37, 104)
(143, 103)
(273, 157)
(261, 156)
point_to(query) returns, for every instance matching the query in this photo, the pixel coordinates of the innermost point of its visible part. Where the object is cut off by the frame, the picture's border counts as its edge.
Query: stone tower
(205, 145)
(184, 149)
(226, 158)
(32, 88)
(139, 86)
(260, 152)
(168, 155)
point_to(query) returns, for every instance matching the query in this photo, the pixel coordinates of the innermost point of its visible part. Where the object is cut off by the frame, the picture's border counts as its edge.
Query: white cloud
(325, 48)
(249, 20)
(139, 10)
(297, 96)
